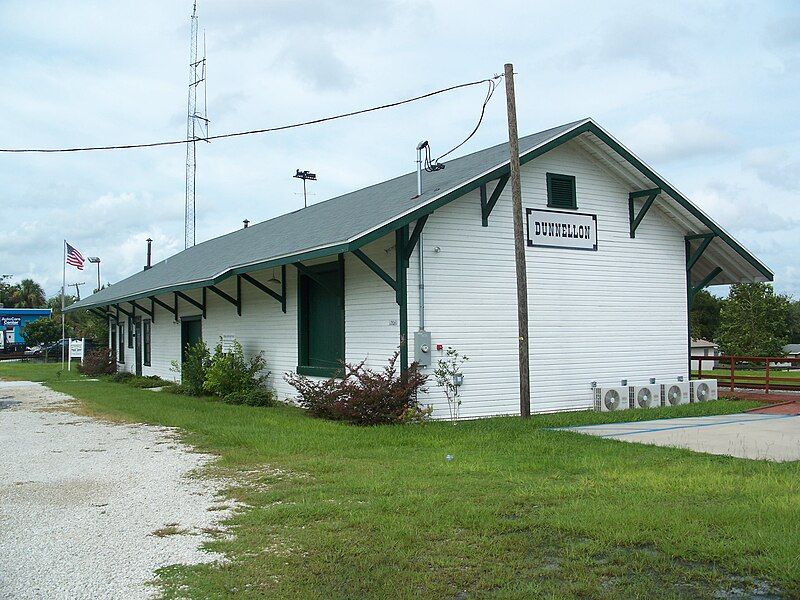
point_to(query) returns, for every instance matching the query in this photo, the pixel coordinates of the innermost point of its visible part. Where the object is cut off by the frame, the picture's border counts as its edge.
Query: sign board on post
(75, 351)
(227, 343)
(557, 229)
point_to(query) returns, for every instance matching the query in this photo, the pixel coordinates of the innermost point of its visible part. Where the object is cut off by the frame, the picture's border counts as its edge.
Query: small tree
(754, 321)
(41, 332)
(794, 322)
(705, 315)
(448, 376)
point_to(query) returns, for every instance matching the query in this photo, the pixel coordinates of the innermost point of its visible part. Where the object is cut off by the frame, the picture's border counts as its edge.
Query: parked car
(54, 348)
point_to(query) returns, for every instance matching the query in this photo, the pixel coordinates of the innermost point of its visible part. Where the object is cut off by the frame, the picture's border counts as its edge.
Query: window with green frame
(321, 320)
(146, 331)
(121, 340)
(130, 332)
(561, 191)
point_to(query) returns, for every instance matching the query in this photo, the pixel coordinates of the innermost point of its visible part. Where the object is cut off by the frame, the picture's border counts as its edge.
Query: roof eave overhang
(447, 196)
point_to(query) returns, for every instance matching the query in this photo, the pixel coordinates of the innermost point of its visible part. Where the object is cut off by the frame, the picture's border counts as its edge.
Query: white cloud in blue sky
(705, 92)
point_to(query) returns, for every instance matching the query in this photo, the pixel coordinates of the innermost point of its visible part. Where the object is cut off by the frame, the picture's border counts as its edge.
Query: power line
(492, 86)
(491, 81)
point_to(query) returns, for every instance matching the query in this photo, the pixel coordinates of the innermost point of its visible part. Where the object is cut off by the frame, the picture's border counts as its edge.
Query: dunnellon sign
(557, 229)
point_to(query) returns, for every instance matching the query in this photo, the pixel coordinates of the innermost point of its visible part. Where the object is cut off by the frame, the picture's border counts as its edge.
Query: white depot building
(614, 255)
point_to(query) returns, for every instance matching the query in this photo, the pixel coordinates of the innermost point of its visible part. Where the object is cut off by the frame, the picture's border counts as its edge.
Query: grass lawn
(520, 512)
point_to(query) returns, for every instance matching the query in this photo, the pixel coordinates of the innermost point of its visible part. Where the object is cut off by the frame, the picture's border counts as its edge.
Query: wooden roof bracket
(488, 205)
(636, 219)
(257, 284)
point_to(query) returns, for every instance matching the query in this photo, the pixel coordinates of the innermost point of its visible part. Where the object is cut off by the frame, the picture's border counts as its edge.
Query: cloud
(314, 61)
(656, 139)
(775, 167)
(726, 206)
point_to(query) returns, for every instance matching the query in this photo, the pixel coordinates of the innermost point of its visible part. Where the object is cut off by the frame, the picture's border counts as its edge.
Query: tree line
(752, 321)
(25, 294)
(30, 294)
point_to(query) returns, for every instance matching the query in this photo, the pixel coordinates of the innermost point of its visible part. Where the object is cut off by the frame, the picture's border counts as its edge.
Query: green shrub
(122, 377)
(253, 397)
(364, 396)
(148, 381)
(230, 372)
(193, 368)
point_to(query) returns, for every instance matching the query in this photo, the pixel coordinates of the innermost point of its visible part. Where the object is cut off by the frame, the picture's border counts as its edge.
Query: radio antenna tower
(196, 126)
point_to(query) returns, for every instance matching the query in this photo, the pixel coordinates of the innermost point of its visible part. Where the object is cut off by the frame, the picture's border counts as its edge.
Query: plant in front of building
(448, 376)
(193, 368)
(230, 372)
(259, 396)
(364, 396)
(96, 362)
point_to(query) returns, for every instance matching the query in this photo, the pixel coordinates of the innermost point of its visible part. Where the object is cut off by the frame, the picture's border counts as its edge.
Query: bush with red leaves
(364, 396)
(98, 362)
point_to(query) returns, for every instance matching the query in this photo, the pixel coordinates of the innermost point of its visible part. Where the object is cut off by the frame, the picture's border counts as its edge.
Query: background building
(12, 320)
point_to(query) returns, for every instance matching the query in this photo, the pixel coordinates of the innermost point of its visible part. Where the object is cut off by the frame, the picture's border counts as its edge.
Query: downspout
(420, 147)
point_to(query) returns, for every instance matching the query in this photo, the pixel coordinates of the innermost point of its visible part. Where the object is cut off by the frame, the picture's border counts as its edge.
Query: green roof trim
(349, 222)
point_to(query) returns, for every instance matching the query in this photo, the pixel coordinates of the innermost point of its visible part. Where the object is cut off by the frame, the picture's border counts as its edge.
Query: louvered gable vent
(561, 191)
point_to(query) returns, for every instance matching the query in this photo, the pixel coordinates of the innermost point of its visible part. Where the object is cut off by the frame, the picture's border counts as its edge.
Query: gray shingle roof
(327, 224)
(346, 222)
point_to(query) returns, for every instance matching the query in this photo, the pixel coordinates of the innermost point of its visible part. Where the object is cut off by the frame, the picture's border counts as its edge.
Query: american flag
(74, 258)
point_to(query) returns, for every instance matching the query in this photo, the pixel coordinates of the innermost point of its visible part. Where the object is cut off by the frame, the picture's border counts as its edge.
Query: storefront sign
(10, 321)
(557, 229)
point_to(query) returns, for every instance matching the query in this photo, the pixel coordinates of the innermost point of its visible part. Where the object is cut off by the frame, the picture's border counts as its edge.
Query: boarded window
(146, 326)
(321, 320)
(561, 191)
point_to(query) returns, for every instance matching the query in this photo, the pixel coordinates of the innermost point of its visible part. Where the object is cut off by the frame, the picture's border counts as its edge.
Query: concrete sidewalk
(746, 435)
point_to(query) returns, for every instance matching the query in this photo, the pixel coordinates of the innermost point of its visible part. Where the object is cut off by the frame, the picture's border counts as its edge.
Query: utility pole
(519, 248)
(78, 289)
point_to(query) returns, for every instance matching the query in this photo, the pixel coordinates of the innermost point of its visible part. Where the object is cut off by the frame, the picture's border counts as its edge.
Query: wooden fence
(754, 372)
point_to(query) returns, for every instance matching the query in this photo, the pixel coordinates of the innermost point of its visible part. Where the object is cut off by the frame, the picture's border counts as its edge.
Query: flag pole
(63, 286)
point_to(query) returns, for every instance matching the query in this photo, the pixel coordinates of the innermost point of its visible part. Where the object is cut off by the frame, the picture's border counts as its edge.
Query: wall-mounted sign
(557, 229)
(227, 343)
(10, 321)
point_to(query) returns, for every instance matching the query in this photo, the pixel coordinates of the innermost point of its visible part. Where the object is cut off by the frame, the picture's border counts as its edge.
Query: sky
(706, 93)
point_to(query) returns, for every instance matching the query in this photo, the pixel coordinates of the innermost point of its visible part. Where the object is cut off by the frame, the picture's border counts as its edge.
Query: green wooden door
(322, 321)
(191, 333)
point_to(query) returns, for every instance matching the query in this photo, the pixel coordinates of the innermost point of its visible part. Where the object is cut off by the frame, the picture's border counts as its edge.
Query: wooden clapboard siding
(599, 316)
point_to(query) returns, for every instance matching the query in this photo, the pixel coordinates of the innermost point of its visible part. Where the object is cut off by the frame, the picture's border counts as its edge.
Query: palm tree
(28, 294)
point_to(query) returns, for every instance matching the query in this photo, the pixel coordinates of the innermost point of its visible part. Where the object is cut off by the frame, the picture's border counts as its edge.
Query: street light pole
(96, 260)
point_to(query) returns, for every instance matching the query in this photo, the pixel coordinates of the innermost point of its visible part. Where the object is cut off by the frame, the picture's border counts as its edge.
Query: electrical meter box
(422, 348)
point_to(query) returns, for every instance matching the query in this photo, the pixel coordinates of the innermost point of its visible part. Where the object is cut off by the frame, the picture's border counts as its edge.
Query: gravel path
(80, 500)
